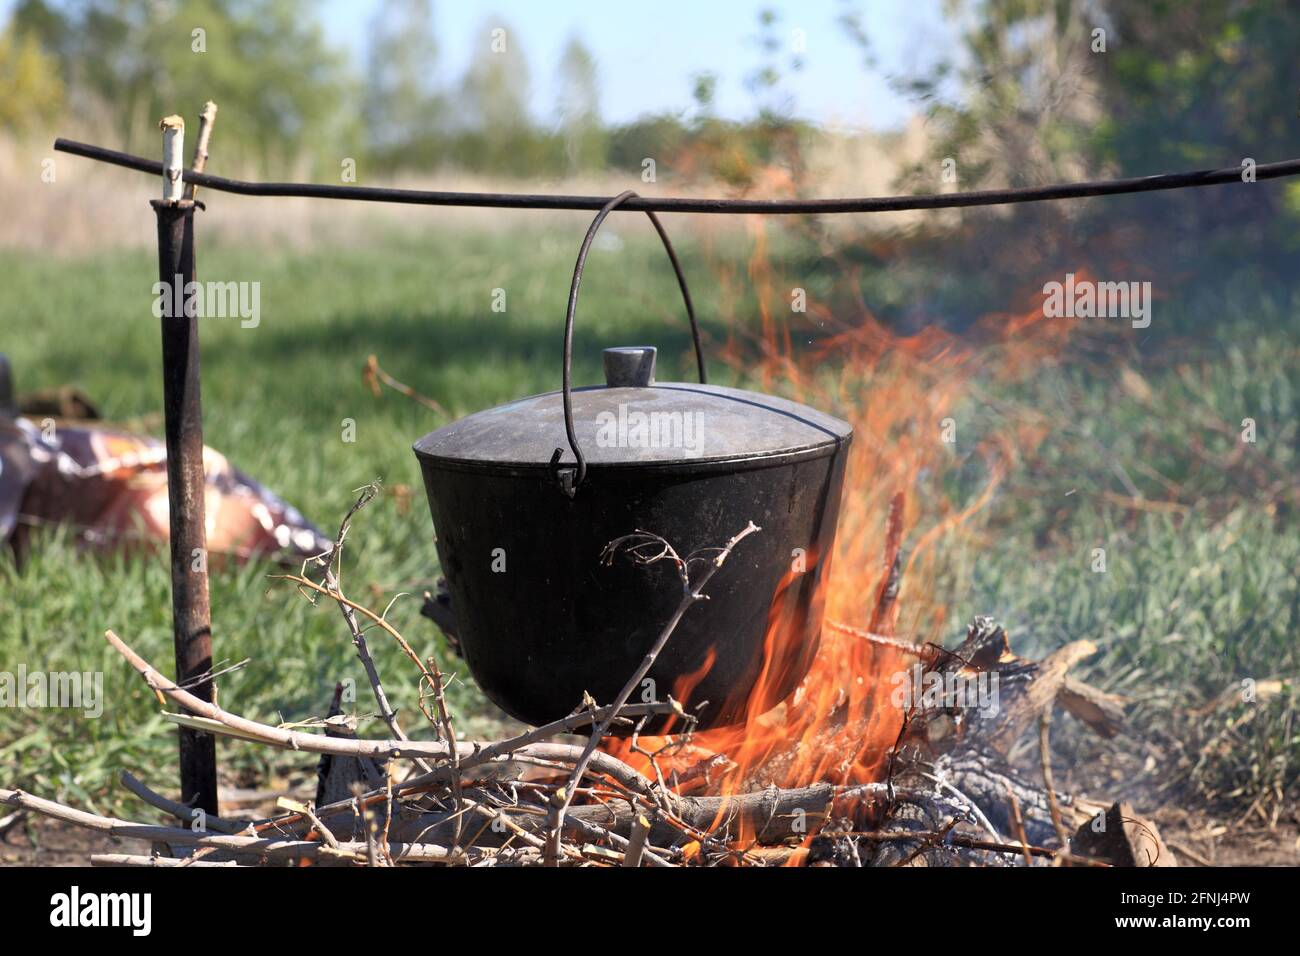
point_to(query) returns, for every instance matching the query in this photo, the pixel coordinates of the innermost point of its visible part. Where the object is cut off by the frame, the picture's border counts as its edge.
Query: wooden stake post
(183, 411)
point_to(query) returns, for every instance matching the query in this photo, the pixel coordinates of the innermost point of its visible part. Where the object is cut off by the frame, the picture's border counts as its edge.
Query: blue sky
(647, 52)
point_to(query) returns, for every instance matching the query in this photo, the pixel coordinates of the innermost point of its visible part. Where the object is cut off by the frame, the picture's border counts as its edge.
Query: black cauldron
(542, 619)
(521, 532)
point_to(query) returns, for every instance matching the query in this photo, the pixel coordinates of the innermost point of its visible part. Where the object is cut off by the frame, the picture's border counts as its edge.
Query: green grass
(1191, 602)
(1194, 601)
(275, 399)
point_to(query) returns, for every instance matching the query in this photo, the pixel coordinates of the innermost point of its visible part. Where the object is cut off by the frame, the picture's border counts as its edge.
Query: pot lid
(634, 421)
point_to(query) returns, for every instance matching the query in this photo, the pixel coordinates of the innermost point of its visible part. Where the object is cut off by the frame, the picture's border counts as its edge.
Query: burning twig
(772, 815)
(970, 806)
(1103, 712)
(886, 610)
(692, 592)
(928, 841)
(621, 818)
(582, 806)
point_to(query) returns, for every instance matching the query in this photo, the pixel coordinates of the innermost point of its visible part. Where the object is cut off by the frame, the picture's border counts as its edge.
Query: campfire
(943, 794)
(882, 748)
(892, 751)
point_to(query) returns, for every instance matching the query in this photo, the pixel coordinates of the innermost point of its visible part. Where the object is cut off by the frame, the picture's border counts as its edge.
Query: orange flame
(903, 395)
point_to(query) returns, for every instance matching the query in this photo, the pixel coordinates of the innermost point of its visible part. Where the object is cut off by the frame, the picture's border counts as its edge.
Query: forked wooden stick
(207, 119)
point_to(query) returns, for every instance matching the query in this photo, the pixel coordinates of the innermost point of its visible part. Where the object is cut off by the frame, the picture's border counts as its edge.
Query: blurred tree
(579, 107)
(1039, 87)
(1051, 90)
(767, 148)
(493, 105)
(778, 56)
(403, 109)
(48, 24)
(31, 93)
(1196, 84)
(704, 91)
(650, 137)
(281, 88)
(1010, 102)
(494, 91)
(1207, 84)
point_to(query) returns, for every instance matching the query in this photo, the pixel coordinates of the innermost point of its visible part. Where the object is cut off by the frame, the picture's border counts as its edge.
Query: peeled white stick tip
(173, 130)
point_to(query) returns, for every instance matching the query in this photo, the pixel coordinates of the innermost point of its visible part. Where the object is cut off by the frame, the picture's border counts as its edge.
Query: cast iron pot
(541, 618)
(520, 534)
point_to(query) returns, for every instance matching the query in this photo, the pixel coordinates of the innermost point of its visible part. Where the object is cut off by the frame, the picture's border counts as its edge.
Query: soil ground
(42, 842)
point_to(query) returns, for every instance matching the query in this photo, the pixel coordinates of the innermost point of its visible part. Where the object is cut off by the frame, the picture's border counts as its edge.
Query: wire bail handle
(570, 480)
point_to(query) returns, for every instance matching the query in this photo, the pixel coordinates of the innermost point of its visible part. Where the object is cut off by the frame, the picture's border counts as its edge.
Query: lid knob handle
(630, 366)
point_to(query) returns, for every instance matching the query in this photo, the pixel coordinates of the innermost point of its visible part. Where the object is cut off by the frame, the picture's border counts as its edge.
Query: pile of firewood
(950, 795)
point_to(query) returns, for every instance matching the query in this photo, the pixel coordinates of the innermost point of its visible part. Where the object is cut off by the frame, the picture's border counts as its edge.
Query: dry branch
(207, 119)
(373, 376)
(158, 862)
(180, 810)
(948, 797)
(692, 591)
(470, 754)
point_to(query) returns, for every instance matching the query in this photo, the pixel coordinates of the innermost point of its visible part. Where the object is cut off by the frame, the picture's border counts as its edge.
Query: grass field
(1199, 594)
(275, 399)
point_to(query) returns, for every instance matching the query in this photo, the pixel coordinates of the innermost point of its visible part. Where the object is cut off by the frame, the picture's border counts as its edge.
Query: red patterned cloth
(110, 487)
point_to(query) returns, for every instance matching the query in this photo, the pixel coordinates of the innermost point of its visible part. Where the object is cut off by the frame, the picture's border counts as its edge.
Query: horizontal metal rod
(987, 197)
